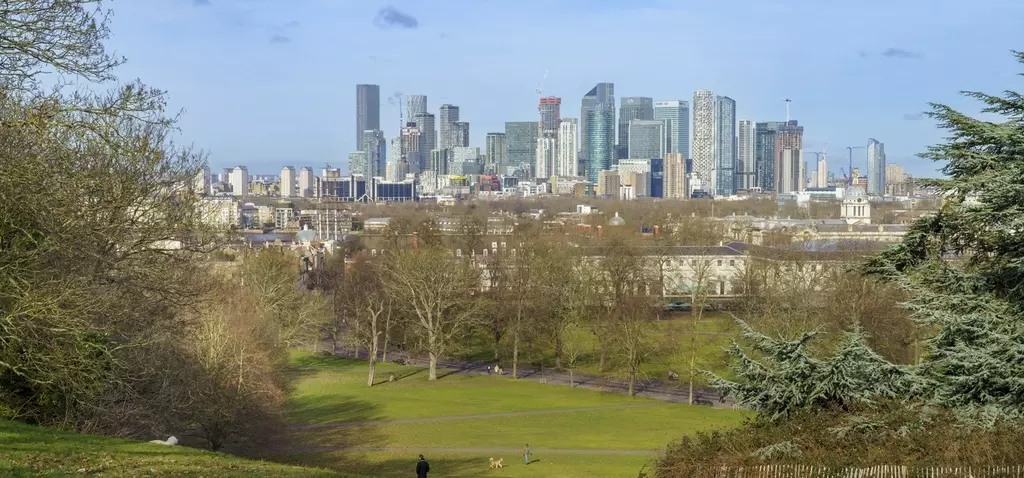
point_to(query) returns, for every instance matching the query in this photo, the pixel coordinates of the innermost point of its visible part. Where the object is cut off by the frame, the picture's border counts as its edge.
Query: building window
(458, 252)
(693, 262)
(719, 263)
(732, 263)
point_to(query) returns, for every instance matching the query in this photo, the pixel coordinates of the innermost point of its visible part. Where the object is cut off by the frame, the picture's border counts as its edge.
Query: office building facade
(496, 150)
(568, 148)
(521, 143)
(745, 155)
(725, 146)
(631, 108)
(414, 105)
(367, 110)
(449, 114)
(428, 131)
(676, 115)
(646, 139)
(703, 143)
(876, 168)
(764, 154)
(597, 129)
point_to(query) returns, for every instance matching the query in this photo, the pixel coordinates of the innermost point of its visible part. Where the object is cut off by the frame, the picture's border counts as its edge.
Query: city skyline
(845, 88)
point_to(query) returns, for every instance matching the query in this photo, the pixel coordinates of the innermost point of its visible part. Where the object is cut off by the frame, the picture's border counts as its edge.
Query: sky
(270, 83)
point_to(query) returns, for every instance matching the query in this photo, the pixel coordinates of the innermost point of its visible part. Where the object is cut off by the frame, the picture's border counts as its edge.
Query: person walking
(526, 454)
(422, 468)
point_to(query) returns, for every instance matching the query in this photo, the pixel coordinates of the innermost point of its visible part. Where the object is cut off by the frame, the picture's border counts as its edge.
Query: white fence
(883, 471)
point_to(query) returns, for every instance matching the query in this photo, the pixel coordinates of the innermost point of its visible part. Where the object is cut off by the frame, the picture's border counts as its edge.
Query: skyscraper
(646, 139)
(496, 149)
(448, 116)
(725, 146)
(358, 163)
(764, 154)
(521, 141)
(597, 129)
(460, 134)
(822, 177)
(306, 180)
(704, 138)
(412, 148)
(287, 182)
(876, 168)
(238, 178)
(745, 155)
(367, 110)
(550, 114)
(676, 115)
(428, 134)
(544, 166)
(376, 151)
(414, 105)
(568, 159)
(789, 140)
(675, 186)
(635, 107)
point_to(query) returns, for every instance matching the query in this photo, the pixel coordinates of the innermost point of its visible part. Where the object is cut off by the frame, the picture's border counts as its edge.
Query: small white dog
(170, 441)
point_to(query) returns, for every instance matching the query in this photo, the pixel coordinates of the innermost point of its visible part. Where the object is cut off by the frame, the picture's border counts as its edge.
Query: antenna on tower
(788, 101)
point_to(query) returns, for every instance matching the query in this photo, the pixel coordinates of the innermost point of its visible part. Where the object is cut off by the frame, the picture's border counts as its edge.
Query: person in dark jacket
(422, 468)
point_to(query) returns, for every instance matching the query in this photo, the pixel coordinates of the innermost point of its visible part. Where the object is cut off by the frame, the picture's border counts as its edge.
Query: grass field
(27, 451)
(461, 420)
(670, 338)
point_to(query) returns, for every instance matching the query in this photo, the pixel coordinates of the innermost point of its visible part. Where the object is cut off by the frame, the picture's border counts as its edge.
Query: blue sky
(268, 83)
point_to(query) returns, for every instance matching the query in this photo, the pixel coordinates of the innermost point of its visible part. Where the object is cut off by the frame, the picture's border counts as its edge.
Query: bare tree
(439, 290)
(632, 325)
(573, 346)
(368, 307)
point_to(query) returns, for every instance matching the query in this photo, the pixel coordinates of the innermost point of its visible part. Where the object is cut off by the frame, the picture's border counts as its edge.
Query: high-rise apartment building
(460, 134)
(521, 143)
(287, 182)
(608, 183)
(375, 147)
(550, 114)
(357, 164)
(676, 115)
(745, 155)
(674, 183)
(821, 180)
(704, 138)
(238, 178)
(764, 154)
(448, 116)
(496, 149)
(597, 129)
(306, 182)
(203, 185)
(412, 148)
(568, 159)
(367, 110)
(876, 168)
(789, 140)
(414, 105)
(646, 139)
(631, 108)
(725, 146)
(425, 122)
(547, 146)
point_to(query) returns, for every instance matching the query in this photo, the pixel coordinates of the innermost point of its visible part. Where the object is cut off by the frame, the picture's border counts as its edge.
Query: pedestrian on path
(422, 468)
(526, 454)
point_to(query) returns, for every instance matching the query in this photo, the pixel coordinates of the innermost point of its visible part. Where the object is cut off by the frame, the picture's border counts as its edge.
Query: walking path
(549, 451)
(654, 389)
(463, 417)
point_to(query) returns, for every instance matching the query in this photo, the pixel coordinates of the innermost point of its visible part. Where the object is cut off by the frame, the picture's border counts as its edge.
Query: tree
(296, 317)
(574, 340)
(368, 306)
(632, 325)
(438, 290)
(100, 235)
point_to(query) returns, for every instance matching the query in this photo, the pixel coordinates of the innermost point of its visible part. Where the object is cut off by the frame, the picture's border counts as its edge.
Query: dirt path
(517, 451)
(463, 417)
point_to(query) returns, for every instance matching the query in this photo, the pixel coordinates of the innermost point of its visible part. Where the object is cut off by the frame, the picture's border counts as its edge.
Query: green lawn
(333, 391)
(27, 450)
(670, 349)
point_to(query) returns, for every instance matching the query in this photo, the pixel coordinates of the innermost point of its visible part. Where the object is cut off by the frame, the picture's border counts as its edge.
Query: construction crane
(788, 101)
(850, 150)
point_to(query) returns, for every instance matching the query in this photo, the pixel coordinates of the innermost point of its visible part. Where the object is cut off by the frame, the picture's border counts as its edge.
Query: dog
(391, 378)
(497, 463)
(702, 401)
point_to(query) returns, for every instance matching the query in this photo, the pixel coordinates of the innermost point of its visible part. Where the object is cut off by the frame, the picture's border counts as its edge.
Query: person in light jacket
(526, 454)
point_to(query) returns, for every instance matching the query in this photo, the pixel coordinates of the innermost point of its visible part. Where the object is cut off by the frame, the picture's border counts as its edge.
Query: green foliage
(787, 378)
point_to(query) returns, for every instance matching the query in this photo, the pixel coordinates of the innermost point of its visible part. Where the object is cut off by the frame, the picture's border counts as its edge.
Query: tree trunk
(558, 350)
(515, 354)
(600, 360)
(632, 380)
(373, 368)
(432, 343)
(387, 334)
(693, 345)
(572, 382)
(372, 352)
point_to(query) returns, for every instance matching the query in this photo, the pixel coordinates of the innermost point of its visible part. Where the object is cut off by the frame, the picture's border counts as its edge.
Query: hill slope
(33, 451)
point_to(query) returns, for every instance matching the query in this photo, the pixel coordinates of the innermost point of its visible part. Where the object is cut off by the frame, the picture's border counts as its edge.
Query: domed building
(856, 209)
(616, 221)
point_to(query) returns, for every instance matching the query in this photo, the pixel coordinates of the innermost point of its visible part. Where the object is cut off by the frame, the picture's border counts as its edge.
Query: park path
(653, 389)
(547, 451)
(463, 417)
